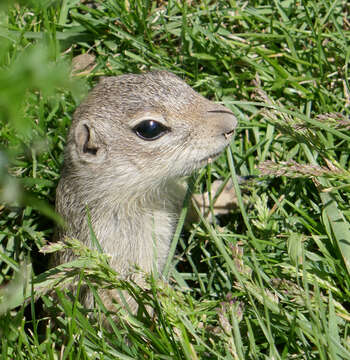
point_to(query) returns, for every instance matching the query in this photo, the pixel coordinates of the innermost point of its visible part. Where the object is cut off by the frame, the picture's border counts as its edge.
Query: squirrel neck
(143, 226)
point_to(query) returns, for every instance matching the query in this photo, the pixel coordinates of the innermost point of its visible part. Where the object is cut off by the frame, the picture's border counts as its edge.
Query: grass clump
(270, 279)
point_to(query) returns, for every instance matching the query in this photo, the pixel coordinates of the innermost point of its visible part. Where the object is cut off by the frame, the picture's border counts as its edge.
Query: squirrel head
(142, 130)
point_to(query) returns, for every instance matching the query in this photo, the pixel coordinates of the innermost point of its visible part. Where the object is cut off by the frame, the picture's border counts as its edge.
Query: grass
(269, 280)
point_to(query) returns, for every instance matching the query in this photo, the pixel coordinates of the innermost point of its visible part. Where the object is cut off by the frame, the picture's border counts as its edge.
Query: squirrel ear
(87, 144)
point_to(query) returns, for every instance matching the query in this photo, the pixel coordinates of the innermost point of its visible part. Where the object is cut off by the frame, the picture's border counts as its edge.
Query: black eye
(150, 130)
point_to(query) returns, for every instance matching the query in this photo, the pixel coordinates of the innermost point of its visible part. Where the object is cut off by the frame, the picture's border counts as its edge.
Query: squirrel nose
(224, 120)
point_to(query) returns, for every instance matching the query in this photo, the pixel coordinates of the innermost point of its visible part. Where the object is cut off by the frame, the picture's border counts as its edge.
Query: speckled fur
(130, 185)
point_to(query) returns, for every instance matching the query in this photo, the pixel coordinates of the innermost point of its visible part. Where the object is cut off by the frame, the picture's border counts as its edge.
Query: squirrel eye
(150, 130)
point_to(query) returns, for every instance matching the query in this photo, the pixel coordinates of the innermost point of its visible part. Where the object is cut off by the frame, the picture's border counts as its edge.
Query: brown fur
(131, 185)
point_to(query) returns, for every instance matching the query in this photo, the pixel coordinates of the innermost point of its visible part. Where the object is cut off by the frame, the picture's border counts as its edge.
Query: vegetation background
(270, 279)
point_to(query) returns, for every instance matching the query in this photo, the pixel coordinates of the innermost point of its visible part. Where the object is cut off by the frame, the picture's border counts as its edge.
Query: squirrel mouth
(209, 159)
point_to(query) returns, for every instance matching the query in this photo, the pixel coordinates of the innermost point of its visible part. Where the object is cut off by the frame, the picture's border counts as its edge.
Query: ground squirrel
(130, 141)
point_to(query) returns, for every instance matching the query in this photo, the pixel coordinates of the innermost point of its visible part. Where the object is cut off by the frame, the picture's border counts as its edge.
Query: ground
(267, 280)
